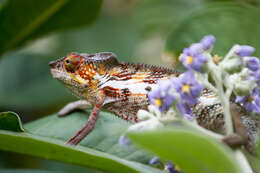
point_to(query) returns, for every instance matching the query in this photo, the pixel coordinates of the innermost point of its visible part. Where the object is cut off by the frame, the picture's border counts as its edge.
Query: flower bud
(207, 42)
(253, 63)
(231, 65)
(244, 87)
(244, 50)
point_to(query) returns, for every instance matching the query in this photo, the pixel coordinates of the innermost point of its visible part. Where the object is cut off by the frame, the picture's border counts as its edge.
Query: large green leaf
(49, 148)
(192, 151)
(56, 150)
(230, 23)
(103, 138)
(23, 20)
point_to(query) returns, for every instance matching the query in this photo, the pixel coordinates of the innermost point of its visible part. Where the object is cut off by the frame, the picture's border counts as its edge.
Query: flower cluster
(241, 71)
(194, 56)
(251, 101)
(183, 90)
(238, 73)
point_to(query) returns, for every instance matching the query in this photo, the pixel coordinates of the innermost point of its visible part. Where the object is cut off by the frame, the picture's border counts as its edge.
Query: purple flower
(256, 76)
(253, 63)
(245, 50)
(252, 102)
(195, 49)
(154, 160)
(124, 141)
(185, 110)
(207, 42)
(192, 58)
(188, 87)
(161, 97)
(170, 167)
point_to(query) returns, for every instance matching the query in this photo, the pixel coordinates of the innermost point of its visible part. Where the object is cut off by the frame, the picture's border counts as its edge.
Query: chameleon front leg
(89, 126)
(70, 107)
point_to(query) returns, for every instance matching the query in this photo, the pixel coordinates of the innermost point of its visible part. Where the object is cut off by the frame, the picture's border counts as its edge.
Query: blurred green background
(148, 31)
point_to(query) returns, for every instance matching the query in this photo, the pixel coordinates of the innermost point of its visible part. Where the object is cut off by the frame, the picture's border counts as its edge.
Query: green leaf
(104, 137)
(56, 150)
(230, 23)
(192, 151)
(10, 121)
(53, 149)
(18, 25)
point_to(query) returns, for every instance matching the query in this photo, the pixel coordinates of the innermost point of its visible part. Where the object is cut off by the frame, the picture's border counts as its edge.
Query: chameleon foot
(70, 107)
(240, 137)
(234, 140)
(87, 128)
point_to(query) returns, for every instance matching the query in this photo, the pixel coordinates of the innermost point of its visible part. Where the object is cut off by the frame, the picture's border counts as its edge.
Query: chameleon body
(122, 88)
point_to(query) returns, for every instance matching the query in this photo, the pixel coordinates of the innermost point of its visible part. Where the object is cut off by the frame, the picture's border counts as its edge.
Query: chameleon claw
(73, 141)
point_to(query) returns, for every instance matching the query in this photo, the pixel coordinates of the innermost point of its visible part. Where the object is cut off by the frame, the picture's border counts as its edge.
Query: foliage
(39, 132)
(34, 32)
(230, 26)
(192, 151)
(46, 17)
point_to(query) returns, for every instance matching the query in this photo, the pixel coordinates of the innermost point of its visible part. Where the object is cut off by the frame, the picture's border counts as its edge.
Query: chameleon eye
(71, 63)
(67, 61)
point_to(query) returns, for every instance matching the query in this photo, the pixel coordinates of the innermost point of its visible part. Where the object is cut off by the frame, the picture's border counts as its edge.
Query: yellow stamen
(189, 60)
(216, 59)
(185, 88)
(250, 99)
(158, 102)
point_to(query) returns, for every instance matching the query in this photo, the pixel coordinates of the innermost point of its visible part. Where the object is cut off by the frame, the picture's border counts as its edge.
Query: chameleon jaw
(65, 78)
(57, 74)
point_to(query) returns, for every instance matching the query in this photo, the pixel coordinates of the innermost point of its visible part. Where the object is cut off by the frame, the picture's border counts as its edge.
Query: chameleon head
(81, 72)
(65, 69)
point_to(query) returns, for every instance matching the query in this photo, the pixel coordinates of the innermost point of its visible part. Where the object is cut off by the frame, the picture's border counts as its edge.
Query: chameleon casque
(100, 81)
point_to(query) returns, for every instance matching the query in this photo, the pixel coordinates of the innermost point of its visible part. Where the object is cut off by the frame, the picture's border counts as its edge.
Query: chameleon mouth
(64, 78)
(52, 64)
(56, 69)
(56, 74)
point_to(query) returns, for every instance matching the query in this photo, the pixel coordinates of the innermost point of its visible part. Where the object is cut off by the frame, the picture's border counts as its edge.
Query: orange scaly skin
(105, 83)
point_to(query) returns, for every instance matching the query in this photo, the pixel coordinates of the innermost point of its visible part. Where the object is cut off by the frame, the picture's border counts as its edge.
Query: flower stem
(217, 77)
(203, 78)
(231, 52)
